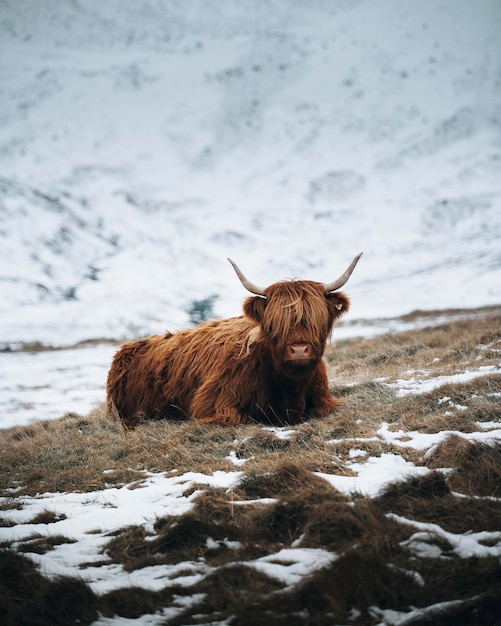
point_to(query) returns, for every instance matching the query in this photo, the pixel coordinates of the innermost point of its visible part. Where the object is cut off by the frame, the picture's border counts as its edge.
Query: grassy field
(423, 549)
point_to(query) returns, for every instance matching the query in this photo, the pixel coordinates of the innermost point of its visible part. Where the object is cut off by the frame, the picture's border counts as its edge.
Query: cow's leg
(214, 403)
(228, 417)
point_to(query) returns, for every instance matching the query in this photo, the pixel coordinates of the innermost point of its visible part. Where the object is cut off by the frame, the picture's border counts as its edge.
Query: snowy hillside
(143, 144)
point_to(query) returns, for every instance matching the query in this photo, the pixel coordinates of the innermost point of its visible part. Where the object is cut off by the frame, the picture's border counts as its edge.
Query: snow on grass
(487, 425)
(281, 432)
(466, 546)
(290, 565)
(91, 517)
(426, 441)
(427, 614)
(233, 458)
(374, 474)
(177, 607)
(423, 382)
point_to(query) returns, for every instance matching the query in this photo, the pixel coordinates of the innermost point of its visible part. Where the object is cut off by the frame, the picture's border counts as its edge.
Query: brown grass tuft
(429, 499)
(477, 466)
(285, 481)
(27, 598)
(40, 545)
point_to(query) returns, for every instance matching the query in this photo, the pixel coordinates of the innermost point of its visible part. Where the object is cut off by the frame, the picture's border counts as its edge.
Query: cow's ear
(339, 304)
(254, 308)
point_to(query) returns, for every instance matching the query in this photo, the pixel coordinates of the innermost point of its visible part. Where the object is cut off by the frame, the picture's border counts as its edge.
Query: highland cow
(266, 366)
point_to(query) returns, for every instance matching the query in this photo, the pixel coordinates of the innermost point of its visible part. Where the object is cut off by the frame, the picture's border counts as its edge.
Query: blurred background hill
(143, 143)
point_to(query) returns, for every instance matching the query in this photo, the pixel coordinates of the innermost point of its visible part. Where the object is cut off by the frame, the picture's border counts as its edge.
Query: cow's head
(296, 317)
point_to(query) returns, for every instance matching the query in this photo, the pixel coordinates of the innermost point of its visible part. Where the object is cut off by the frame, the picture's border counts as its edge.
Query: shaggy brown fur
(235, 370)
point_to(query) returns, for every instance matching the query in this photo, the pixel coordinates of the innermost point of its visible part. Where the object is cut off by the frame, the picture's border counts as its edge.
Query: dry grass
(29, 599)
(467, 342)
(374, 565)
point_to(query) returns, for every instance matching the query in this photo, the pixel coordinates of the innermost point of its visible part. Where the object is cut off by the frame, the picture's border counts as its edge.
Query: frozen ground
(49, 384)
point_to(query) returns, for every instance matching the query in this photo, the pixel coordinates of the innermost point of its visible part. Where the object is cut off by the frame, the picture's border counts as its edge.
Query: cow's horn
(245, 282)
(337, 284)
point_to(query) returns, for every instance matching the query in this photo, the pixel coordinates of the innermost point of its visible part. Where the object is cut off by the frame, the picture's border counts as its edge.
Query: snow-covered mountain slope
(141, 145)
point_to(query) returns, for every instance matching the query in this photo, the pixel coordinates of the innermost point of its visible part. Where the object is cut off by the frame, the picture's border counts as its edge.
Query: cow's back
(158, 376)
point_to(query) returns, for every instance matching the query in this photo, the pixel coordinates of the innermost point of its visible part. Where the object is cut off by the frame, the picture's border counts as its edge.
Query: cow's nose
(298, 352)
(299, 349)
